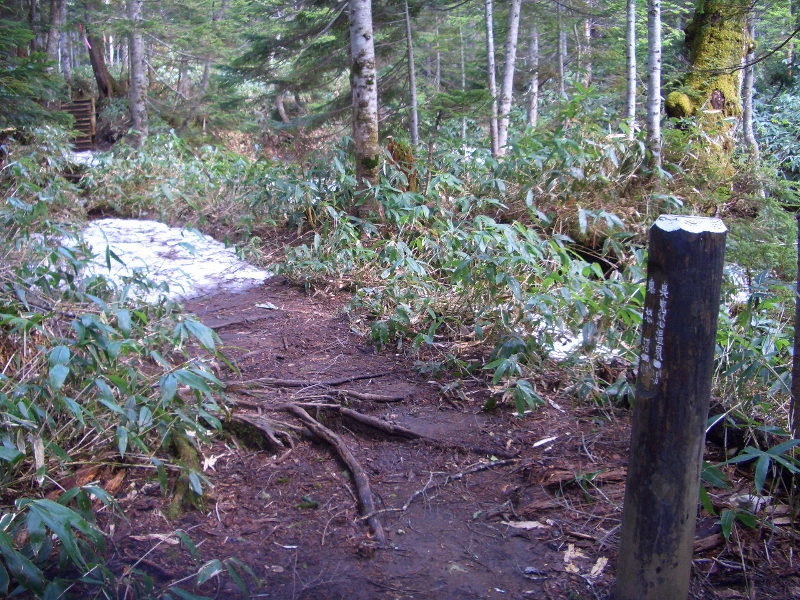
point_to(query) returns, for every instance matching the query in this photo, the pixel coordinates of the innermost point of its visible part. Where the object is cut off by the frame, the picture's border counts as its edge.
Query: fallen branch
(305, 382)
(359, 476)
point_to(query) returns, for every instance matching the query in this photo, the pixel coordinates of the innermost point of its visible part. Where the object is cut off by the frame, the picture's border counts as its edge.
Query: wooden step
(83, 112)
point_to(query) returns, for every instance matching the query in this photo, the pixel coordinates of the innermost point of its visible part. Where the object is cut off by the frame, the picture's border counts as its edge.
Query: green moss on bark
(717, 43)
(678, 105)
(183, 495)
(370, 163)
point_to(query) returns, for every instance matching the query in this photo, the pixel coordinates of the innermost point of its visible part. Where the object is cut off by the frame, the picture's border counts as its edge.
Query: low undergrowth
(512, 269)
(90, 376)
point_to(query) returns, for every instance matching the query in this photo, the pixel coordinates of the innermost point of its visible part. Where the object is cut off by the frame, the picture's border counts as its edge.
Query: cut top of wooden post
(690, 224)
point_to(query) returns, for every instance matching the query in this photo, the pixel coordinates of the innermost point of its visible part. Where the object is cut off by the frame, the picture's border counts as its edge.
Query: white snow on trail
(192, 264)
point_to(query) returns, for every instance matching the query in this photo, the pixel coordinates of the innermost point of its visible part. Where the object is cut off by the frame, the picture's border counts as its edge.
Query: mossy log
(717, 42)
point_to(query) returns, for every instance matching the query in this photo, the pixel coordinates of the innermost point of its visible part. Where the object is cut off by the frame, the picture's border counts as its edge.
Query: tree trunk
(560, 52)
(107, 86)
(438, 77)
(794, 407)
(364, 85)
(65, 46)
(124, 56)
(198, 97)
(533, 100)
(281, 107)
(412, 82)
(790, 45)
(587, 51)
(747, 94)
(491, 69)
(653, 141)
(138, 92)
(717, 43)
(182, 89)
(630, 55)
(33, 21)
(507, 88)
(56, 25)
(463, 85)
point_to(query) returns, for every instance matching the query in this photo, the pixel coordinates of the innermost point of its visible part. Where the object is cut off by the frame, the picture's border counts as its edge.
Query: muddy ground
(485, 505)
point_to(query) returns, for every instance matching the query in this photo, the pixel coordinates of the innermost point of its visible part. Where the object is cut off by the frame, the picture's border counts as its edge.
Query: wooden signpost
(684, 277)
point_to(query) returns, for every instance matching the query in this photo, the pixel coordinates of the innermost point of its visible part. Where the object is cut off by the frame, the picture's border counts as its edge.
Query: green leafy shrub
(88, 372)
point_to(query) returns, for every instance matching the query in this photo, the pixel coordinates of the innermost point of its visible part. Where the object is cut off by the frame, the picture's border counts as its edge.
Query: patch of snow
(190, 263)
(690, 224)
(741, 279)
(85, 158)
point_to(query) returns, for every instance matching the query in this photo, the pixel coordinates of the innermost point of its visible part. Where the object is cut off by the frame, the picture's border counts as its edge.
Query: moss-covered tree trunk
(717, 41)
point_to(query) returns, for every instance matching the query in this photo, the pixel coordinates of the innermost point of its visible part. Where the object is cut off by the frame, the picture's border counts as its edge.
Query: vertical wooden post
(794, 410)
(684, 277)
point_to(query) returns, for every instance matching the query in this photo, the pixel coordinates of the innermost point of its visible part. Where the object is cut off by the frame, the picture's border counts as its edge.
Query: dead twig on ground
(359, 476)
(452, 477)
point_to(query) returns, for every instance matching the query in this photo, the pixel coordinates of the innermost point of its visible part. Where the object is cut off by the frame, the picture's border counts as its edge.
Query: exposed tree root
(233, 385)
(359, 476)
(370, 397)
(389, 428)
(325, 394)
(386, 427)
(245, 321)
(242, 426)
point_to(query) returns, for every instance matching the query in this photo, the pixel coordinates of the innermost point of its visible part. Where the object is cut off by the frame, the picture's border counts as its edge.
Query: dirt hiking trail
(471, 504)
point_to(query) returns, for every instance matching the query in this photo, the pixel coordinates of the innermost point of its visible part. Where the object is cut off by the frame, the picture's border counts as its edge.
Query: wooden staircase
(85, 123)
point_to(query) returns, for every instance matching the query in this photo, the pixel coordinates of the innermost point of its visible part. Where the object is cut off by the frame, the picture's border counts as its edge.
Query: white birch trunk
(747, 92)
(630, 55)
(137, 97)
(412, 81)
(491, 69)
(438, 76)
(653, 140)
(463, 85)
(587, 51)
(533, 100)
(560, 51)
(364, 85)
(790, 46)
(507, 88)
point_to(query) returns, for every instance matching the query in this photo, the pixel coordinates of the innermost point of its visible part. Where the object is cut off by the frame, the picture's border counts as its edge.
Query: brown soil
(291, 514)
